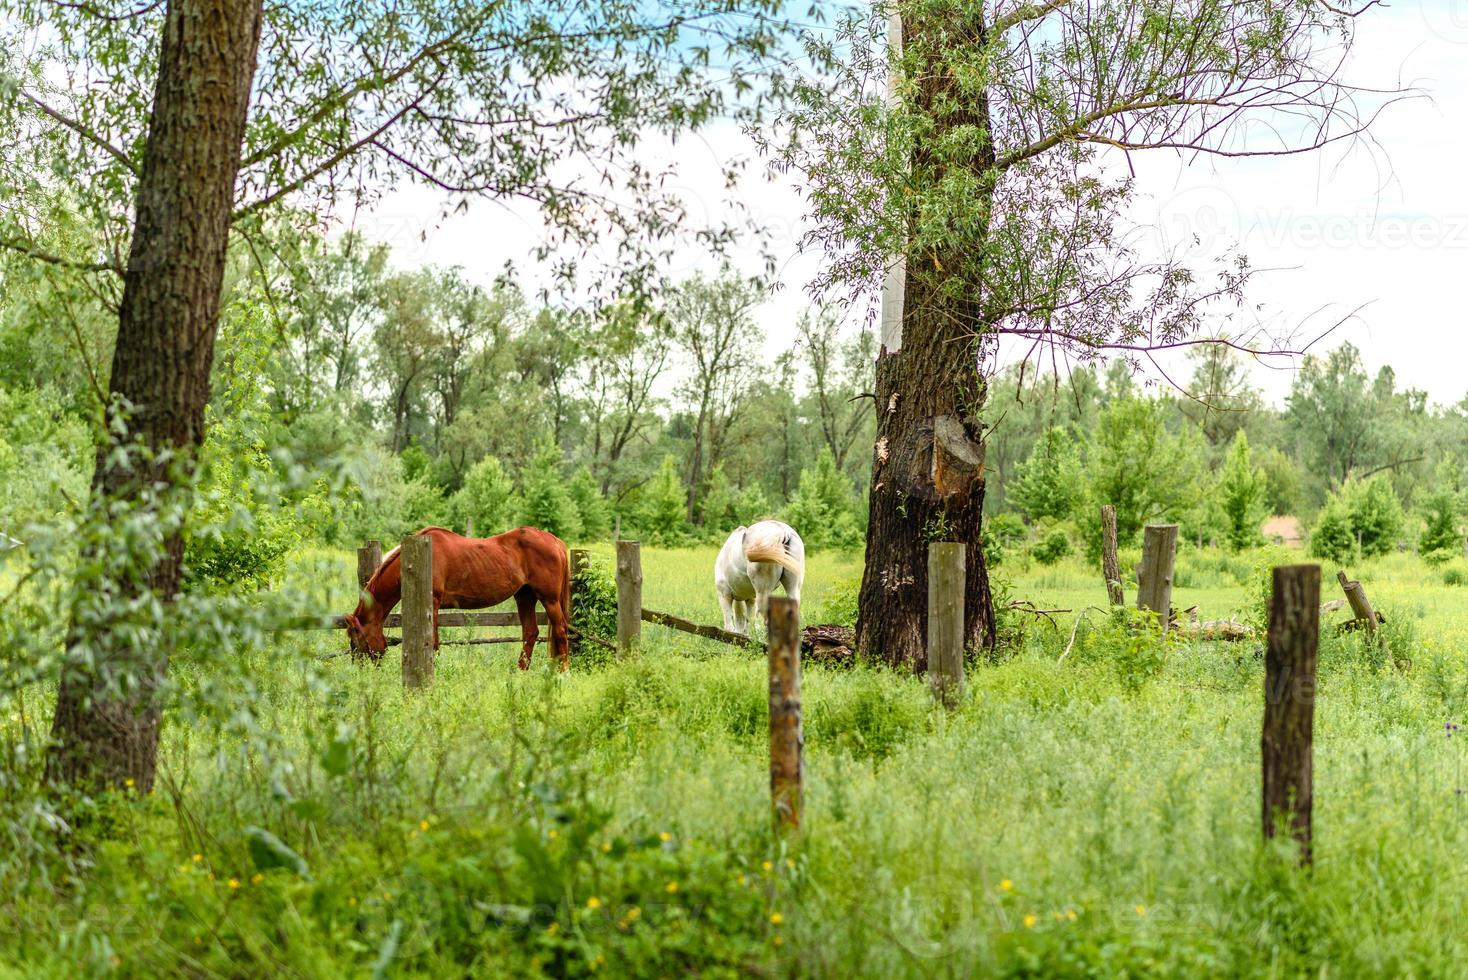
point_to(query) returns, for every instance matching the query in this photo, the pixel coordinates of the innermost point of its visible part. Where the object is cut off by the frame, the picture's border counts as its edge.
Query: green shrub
(1362, 518)
(1052, 547)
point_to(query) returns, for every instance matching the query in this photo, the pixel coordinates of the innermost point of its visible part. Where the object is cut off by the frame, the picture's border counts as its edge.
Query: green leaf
(269, 851)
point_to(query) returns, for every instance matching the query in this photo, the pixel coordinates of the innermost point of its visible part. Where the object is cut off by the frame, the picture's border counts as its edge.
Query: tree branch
(26, 248)
(89, 135)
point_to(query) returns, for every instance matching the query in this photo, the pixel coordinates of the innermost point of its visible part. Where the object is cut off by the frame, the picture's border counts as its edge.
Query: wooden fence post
(1289, 702)
(1360, 605)
(787, 793)
(1110, 566)
(1154, 576)
(416, 557)
(369, 556)
(629, 594)
(945, 622)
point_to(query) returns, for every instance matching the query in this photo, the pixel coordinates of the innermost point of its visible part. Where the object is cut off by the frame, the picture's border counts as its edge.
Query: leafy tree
(823, 508)
(663, 515)
(1441, 533)
(753, 505)
(715, 330)
(596, 515)
(1240, 496)
(1222, 397)
(981, 197)
(717, 510)
(1133, 463)
(840, 375)
(484, 499)
(545, 499)
(1048, 484)
(1282, 494)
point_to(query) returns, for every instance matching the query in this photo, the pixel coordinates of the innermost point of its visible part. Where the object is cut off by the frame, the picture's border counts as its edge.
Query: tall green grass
(1091, 815)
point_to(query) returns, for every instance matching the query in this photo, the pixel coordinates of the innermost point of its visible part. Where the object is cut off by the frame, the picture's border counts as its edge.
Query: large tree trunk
(927, 470)
(106, 726)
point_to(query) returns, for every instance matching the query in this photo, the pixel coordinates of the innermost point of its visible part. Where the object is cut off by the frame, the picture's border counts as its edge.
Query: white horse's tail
(772, 544)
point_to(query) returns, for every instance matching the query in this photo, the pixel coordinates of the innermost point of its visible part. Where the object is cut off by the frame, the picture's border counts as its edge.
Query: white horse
(753, 561)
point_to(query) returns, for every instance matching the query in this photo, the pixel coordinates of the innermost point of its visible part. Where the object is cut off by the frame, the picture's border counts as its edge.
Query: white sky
(1385, 227)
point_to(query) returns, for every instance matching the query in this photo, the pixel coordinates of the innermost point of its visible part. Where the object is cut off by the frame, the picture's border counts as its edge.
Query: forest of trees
(413, 396)
(1365, 465)
(436, 400)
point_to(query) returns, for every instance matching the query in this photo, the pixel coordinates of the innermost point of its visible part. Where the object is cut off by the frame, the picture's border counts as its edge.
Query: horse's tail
(771, 543)
(566, 581)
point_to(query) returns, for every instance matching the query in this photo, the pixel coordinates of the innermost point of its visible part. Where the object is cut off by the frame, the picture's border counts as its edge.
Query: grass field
(1091, 816)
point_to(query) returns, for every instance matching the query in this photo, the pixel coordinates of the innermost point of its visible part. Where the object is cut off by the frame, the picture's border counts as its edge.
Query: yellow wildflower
(1030, 921)
(352, 900)
(1006, 885)
(1141, 910)
(779, 940)
(553, 928)
(742, 879)
(183, 869)
(128, 782)
(606, 847)
(665, 837)
(593, 902)
(256, 878)
(670, 887)
(790, 863)
(234, 883)
(633, 912)
(768, 866)
(1070, 914)
(552, 833)
(776, 918)
(423, 825)
(198, 858)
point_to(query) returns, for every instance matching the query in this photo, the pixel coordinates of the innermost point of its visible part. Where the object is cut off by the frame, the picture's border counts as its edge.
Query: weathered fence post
(1110, 566)
(945, 622)
(369, 556)
(629, 594)
(1154, 575)
(787, 794)
(416, 558)
(1289, 702)
(1360, 605)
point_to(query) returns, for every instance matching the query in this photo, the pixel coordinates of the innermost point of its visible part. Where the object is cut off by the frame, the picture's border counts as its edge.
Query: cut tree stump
(829, 644)
(1364, 616)
(1154, 574)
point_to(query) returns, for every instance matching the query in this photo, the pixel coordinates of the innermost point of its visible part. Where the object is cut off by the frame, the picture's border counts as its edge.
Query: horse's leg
(745, 611)
(791, 581)
(525, 606)
(729, 604)
(436, 600)
(559, 629)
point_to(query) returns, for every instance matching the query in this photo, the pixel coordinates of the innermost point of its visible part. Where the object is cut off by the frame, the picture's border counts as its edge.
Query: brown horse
(472, 573)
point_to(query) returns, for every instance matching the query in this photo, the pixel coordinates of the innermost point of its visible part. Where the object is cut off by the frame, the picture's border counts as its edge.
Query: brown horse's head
(367, 638)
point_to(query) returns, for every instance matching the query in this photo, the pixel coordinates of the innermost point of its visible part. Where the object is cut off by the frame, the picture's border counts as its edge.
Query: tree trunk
(106, 726)
(928, 465)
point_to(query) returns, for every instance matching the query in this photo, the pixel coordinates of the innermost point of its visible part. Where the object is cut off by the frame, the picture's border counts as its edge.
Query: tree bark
(106, 726)
(928, 465)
